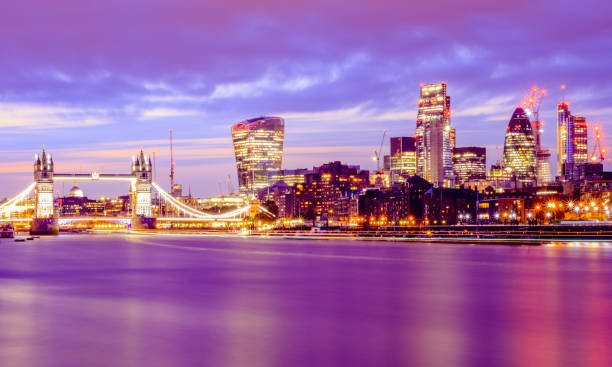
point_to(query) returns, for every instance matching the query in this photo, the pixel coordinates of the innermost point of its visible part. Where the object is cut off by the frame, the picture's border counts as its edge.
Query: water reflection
(167, 301)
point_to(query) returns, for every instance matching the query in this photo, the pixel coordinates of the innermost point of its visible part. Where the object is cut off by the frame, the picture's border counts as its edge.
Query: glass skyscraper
(572, 138)
(402, 161)
(258, 147)
(470, 163)
(519, 148)
(433, 135)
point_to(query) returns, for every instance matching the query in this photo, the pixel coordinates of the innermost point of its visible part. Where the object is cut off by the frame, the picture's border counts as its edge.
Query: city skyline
(93, 100)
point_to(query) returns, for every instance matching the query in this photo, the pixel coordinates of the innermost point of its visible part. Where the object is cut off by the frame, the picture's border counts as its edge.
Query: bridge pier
(144, 223)
(43, 226)
(44, 220)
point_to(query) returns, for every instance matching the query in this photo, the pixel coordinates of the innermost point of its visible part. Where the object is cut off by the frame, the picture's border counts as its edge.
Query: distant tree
(271, 206)
(310, 214)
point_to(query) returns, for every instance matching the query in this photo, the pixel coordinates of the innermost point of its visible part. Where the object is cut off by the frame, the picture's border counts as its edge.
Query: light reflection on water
(168, 301)
(593, 244)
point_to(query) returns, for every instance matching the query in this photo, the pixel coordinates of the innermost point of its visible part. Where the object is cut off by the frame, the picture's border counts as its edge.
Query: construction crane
(220, 188)
(171, 164)
(532, 103)
(378, 152)
(598, 151)
(230, 188)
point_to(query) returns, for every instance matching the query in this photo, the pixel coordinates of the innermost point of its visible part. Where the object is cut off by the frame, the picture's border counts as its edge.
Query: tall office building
(572, 140)
(519, 148)
(543, 166)
(470, 163)
(258, 146)
(402, 161)
(433, 135)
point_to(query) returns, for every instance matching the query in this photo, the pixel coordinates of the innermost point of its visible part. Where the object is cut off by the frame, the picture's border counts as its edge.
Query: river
(180, 300)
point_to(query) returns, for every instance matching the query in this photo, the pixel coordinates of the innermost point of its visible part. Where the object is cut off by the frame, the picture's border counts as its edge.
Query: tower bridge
(45, 219)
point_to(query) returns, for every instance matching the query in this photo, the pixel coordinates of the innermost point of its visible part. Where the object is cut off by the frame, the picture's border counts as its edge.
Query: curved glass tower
(258, 147)
(519, 148)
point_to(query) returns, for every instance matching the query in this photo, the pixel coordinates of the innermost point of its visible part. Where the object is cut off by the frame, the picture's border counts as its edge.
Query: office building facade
(519, 149)
(403, 159)
(469, 164)
(433, 135)
(258, 147)
(572, 141)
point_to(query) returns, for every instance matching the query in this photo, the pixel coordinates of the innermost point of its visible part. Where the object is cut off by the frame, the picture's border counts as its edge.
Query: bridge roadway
(93, 176)
(125, 220)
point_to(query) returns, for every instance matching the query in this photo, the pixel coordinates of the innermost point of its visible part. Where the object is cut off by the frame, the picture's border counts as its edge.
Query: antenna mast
(563, 93)
(171, 164)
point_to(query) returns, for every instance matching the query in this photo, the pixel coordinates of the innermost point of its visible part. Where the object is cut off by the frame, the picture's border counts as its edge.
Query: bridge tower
(44, 220)
(142, 205)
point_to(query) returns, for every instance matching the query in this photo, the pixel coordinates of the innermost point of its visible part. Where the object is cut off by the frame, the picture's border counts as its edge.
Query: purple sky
(94, 81)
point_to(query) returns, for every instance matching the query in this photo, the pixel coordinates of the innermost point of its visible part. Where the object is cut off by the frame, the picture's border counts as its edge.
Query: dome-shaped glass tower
(519, 148)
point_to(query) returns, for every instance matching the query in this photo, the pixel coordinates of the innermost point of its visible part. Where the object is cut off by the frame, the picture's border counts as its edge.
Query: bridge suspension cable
(186, 209)
(7, 206)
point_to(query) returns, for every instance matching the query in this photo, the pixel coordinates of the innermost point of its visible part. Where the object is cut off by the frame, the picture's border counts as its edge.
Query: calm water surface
(130, 300)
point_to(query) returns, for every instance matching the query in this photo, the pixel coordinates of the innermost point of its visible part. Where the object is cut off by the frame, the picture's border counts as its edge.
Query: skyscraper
(402, 161)
(470, 163)
(433, 135)
(519, 148)
(572, 136)
(258, 147)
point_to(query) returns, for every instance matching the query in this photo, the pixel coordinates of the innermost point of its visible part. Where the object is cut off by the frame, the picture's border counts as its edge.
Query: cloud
(30, 116)
(359, 113)
(166, 112)
(338, 75)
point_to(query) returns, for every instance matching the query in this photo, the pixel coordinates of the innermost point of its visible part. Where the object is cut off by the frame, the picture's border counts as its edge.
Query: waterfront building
(433, 135)
(469, 164)
(403, 159)
(220, 203)
(519, 149)
(321, 189)
(380, 178)
(384, 207)
(288, 176)
(445, 206)
(176, 190)
(345, 211)
(572, 142)
(594, 202)
(115, 206)
(77, 204)
(258, 147)
(399, 205)
(504, 207)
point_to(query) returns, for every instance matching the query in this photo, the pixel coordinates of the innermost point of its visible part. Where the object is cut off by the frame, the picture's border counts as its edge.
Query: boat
(7, 231)
(19, 239)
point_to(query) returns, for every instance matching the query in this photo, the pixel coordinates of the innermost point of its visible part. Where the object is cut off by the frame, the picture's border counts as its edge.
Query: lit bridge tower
(44, 220)
(142, 207)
